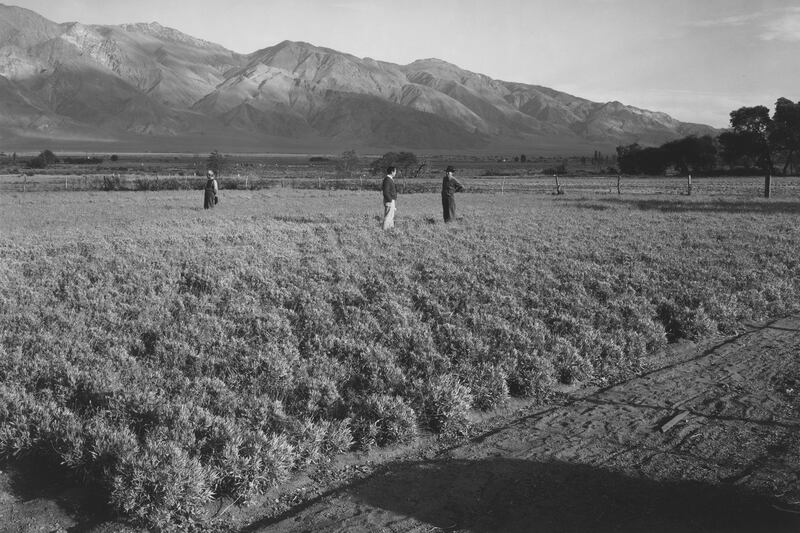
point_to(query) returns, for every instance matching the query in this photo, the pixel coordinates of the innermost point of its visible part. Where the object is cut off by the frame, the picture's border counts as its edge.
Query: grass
(170, 355)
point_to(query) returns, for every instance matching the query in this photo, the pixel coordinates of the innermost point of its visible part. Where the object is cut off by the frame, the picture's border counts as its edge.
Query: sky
(696, 60)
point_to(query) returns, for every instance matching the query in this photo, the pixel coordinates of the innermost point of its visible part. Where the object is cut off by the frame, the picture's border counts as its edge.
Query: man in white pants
(389, 198)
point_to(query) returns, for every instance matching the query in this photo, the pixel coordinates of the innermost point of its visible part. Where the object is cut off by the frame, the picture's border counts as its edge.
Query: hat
(449, 169)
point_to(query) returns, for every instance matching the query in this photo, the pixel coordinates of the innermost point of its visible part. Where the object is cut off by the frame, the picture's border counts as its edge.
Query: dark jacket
(389, 190)
(210, 193)
(450, 186)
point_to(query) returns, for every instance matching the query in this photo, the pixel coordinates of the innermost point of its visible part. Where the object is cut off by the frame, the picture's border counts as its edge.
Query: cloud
(734, 21)
(769, 25)
(354, 5)
(785, 27)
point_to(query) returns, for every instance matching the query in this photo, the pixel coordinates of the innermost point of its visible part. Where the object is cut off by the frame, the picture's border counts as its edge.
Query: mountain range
(148, 87)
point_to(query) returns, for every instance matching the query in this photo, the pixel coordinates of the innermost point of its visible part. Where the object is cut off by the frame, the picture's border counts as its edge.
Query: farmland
(493, 174)
(170, 355)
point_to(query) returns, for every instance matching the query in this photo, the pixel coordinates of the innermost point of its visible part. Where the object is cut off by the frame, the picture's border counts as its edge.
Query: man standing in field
(210, 191)
(389, 198)
(450, 186)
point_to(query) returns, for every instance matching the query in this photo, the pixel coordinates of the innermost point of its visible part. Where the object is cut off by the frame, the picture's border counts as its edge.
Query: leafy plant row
(190, 363)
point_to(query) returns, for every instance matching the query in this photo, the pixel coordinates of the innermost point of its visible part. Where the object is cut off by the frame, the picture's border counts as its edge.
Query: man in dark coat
(210, 191)
(450, 186)
(389, 198)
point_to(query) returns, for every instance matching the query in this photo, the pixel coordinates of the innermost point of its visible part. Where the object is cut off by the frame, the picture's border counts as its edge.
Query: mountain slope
(148, 81)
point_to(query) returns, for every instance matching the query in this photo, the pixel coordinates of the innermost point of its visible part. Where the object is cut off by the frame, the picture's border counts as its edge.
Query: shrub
(37, 162)
(17, 422)
(161, 486)
(160, 184)
(533, 376)
(339, 437)
(111, 183)
(371, 369)
(445, 404)
(683, 322)
(106, 445)
(315, 395)
(248, 463)
(61, 437)
(570, 365)
(310, 442)
(489, 386)
(383, 420)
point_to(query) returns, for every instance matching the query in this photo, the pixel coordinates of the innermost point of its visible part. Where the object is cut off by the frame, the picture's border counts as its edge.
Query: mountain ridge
(144, 84)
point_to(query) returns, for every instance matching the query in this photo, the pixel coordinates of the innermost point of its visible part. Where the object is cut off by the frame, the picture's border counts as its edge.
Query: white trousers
(388, 214)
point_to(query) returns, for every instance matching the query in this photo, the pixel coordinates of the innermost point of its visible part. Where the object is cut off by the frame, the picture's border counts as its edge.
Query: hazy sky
(694, 59)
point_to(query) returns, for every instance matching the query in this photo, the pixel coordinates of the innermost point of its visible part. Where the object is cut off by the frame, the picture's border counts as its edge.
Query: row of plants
(192, 358)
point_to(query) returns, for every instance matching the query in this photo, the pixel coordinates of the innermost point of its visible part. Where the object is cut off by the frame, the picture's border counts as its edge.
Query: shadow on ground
(41, 494)
(514, 495)
(688, 205)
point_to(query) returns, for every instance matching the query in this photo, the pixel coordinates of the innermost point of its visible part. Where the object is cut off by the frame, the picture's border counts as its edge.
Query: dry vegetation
(170, 355)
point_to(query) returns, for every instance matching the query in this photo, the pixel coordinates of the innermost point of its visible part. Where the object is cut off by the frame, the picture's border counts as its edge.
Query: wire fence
(721, 186)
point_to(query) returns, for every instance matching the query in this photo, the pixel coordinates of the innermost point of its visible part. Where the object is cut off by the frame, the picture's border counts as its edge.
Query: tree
(749, 141)
(627, 158)
(654, 161)
(49, 157)
(692, 153)
(406, 162)
(43, 160)
(784, 135)
(633, 159)
(736, 149)
(347, 163)
(752, 129)
(751, 119)
(216, 162)
(37, 162)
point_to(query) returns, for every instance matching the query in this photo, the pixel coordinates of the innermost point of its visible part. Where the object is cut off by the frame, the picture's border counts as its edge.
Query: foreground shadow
(521, 496)
(42, 494)
(687, 205)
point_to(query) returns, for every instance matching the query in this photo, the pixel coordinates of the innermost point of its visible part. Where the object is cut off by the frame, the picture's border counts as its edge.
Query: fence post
(619, 180)
(767, 185)
(689, 185)
(65, 182)
(503, 186)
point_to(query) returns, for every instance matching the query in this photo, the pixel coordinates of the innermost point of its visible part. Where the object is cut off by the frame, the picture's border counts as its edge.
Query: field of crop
(169, 355)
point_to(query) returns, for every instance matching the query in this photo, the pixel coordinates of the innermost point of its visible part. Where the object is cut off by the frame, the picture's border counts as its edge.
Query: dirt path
(708, 444)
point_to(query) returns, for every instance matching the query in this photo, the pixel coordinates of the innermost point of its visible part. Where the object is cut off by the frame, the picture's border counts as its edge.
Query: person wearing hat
(450, 186)
(210, 192)
(389, 198)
